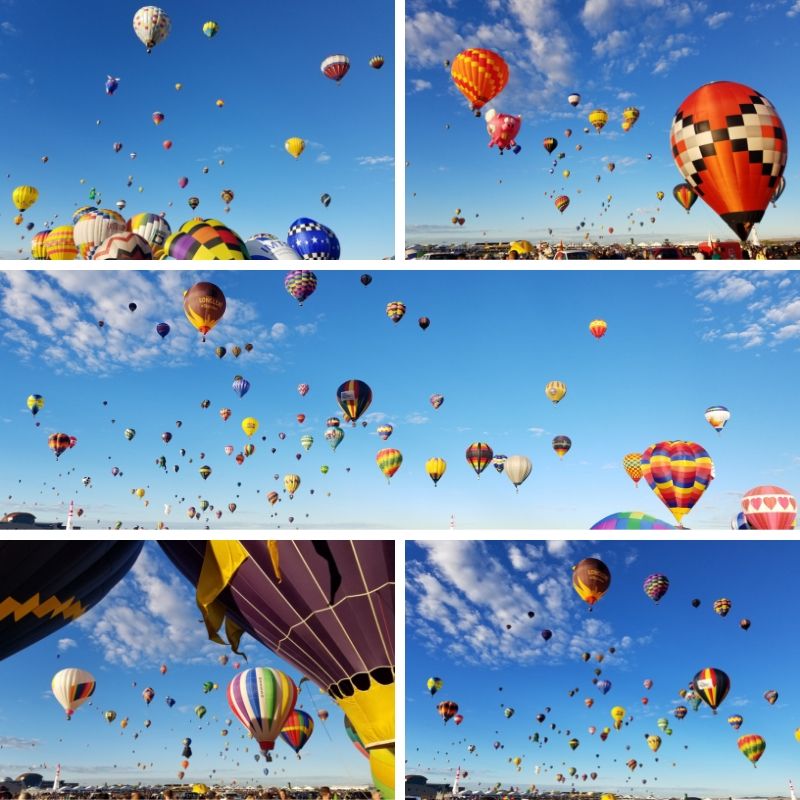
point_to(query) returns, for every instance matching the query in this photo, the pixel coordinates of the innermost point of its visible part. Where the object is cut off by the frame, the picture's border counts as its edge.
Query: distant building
(418, 786)
(23, 520)
(30, 779)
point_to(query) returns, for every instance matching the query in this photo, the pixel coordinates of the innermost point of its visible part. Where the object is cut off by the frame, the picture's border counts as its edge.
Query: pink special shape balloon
(503, 130)
(769, 508)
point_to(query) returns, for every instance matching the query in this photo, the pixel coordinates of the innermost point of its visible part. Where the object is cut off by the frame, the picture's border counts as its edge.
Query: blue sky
(150, 618)
(615, 53)
(676, 344)
(264, 63)
(456, 630)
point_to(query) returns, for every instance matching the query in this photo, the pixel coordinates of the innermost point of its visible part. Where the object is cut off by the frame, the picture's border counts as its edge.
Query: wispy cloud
(15, 743)
(421, 85)
(455, 609)
(323, 158)
(66, 644)
(375, 161)
(719, 18)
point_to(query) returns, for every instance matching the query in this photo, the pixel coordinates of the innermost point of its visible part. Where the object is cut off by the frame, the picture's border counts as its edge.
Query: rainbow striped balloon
(262, 699)
(678, 472)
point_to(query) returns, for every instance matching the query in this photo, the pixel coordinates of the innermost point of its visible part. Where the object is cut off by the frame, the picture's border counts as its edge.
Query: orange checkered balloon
(480, 75)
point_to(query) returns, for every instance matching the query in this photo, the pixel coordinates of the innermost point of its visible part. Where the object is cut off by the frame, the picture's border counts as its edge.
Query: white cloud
(323, 158)
(751, 336)
(15, 743)
(66, 644)
(716, 20)
(278, 330)
(417, 419)
(7, 28)
(306, 328)
(788, 312)
(58, 312)
(558, 547)
(375, 161)
(666, 62)
(431, 37)
(536, 431)
(612, 44)
(730, 289)
(421, 85)
(151, 615)
(794, 10)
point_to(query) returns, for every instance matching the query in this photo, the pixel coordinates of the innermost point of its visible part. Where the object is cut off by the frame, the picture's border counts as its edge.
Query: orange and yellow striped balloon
(632, 464)
(480, 75)
(752, 747)
(60, 244)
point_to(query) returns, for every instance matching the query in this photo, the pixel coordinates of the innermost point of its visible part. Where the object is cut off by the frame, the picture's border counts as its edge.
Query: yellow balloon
(294, 146)
(291, 483)
(139, 493)
(178, 87)
(381, 763)
(249, 425)
(566, 173)
(24, 197)
(618, 714)
(435, 467)
(556, 391)
(654, 742)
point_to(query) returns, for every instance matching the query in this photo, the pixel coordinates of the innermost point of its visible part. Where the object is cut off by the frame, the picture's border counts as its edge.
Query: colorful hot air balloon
(262, 698)
(72, 687)
(249, 426)
(346, 644)
(712, 685)
(59, 443)
(301, 284)
(562, 445)
(549, 143)
(731, 147)
(434, 684)
(205, 240)
(479, 456)
(591, 579)
(354, 398)
(717, 417)
(656, 586)
(678, 472)
(618, 715)
(291, 483)
(752, 747)
(598, 328)
(722, 606)
(389, 461)
(385, 431)
(334, 436)
(632, 464)
(151, 26)
(631, 521)
(685, 195)
(447, 710)
(204, 304)
(60, 244)
(395, 310)
(480, 75)
(561, 203)
(153, 228)
(297, 729)
(556, 391)
(35, 403)
(335, 67)
(210, 29)
(769, 508)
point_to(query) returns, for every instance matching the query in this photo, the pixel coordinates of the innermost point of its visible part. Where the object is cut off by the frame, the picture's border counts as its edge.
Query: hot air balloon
(35, 403)
(719, 133)
(389, 461)
(722, 606)
(480, 75)
(517, 469)
(354, 398)
(434, 684)
(598, 119)
(717, 417)
(678, 472)
(385, 431)
(556, 391)
(294, 146)
(297, 729)
(249, 426)
(752, 747)
(549, 144)
(72, 687)
(345, 644)
(618, 715)
(210, 29)
(479, 456)
(447, 710)
(395, 311)
(335, 67)
(598, 328)
(435, 467)
(204, 305)
(632, 464)
(712, 685)
(561, 203)
(291, 483)
(151, 26)
(769, 508)
(685, 195)
(591, 579)
(562, 445)
(655, 586)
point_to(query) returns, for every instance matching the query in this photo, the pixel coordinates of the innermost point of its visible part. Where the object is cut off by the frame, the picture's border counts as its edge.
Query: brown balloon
(204, 305)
